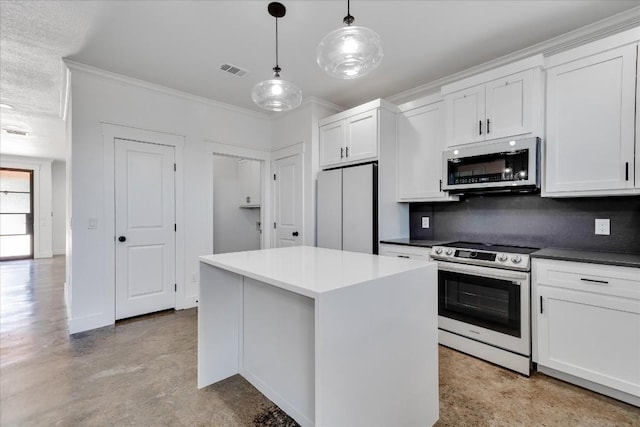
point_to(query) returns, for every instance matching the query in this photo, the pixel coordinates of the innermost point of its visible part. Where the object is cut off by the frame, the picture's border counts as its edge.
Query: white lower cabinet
(586, 320)
(403, 251)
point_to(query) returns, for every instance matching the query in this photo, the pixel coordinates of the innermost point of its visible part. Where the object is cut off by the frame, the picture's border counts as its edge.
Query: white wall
(234, 228)
(58, 206)
(301, 125)
(42, 234)
(98, 97)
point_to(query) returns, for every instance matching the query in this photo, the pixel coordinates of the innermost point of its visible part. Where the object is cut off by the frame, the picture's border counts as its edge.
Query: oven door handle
(482, 271)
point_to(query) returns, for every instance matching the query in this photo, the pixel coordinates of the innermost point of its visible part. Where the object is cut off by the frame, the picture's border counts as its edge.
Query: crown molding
(597, 30)
(323, 103)
(77, 66)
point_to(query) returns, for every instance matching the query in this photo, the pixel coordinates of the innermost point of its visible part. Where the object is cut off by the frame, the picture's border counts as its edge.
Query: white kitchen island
(334, 338)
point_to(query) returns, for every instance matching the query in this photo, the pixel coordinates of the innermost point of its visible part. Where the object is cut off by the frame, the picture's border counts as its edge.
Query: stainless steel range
(484, 296)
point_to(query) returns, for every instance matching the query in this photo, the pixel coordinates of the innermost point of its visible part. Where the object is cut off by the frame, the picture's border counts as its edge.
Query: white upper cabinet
(465, 116)
(421, 140)
(500, 103)
(591, 148)
(248, 183)
(352, 136)
(332, 143)
(361, 132)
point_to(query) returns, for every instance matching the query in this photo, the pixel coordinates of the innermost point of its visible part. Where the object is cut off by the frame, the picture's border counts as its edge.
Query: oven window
(485, 302)
(496, 167)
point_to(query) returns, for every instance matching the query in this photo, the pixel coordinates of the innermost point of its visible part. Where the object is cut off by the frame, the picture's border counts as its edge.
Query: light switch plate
(603, 226)
(93, 223)
(425, 222)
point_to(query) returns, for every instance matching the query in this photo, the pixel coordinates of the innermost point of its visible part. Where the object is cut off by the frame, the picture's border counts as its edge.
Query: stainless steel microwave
(501, 166)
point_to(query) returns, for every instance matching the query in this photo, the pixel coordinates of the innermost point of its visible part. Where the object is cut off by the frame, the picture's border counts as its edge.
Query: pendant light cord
(348, 19)
(277, 68)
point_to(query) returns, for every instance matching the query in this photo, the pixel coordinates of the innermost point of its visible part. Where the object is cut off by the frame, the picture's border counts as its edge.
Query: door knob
(122, 239)
(294, 234)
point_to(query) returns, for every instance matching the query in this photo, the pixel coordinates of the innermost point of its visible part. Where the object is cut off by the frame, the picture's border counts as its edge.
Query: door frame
(264, 157)
(31, 173)
(283, 153)
(110, 133)
(42, 234)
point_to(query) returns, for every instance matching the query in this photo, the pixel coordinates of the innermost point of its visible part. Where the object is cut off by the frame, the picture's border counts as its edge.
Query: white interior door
(145, 228)
(288, 201)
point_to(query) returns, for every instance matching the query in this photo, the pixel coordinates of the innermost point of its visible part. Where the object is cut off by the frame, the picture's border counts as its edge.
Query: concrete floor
(142, 372)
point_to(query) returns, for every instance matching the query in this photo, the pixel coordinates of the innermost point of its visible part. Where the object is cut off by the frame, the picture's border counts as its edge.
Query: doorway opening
(237, 200)
(16, 214)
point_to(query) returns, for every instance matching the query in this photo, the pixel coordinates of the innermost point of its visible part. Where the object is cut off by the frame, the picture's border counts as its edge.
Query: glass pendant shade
(276, 95)
(350, 52)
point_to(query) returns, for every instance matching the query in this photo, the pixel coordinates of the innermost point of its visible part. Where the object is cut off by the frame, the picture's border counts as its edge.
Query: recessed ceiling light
(7, 106)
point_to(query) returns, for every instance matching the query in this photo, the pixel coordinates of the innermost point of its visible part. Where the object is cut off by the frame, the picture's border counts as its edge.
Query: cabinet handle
(626, 171)
(440, 185)
(488, 123)
(541, 310)
(403, 256)
(347, 151)
(341, 152)
(480, 127)
(604, 282)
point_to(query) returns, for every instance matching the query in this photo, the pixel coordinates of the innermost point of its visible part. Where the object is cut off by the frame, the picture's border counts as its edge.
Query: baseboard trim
(87, 323)
(598, 388)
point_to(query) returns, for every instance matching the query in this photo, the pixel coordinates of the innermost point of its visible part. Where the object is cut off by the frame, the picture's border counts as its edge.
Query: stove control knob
(449, 252)
(516, 259)
(438, 251)
(502, 257)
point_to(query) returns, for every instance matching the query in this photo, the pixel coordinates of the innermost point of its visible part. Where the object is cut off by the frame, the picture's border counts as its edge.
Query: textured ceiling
(181, 44)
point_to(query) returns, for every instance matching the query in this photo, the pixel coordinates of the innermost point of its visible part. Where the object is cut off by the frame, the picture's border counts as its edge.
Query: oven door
(489, 305)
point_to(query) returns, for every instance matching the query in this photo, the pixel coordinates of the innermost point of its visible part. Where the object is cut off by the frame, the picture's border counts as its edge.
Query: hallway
(142, 372)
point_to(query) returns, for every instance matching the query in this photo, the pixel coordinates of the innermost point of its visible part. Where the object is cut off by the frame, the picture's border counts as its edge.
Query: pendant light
(276, 94)
(350, 52)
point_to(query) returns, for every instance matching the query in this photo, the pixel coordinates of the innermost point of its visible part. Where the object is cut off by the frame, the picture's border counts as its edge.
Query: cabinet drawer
(402, 251)
(596, 278)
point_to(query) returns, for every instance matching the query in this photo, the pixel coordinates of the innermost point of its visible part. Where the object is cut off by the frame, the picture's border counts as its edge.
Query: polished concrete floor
(142, 372)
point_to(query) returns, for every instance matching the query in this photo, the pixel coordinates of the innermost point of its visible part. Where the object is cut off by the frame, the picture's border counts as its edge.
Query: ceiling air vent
(15, 131)
(232, 69)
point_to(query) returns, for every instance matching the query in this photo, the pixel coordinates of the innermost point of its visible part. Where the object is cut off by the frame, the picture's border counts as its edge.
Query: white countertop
(311, 271)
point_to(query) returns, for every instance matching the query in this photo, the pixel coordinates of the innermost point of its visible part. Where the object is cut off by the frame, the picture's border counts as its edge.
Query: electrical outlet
(603, 226)
(425, 222)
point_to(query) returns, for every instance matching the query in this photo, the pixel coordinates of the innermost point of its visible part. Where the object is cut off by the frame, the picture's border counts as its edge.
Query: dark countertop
(594, 257)
(421, 243)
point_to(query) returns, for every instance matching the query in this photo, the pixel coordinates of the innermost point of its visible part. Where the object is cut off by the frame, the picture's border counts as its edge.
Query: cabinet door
(590, 123)
(590, 336)
(637, 167)
(254, 183)
(464, 112)
(420, 145)
(332, 143)
(248, 174)
(244, 174)
(509, 106)
(362, 136)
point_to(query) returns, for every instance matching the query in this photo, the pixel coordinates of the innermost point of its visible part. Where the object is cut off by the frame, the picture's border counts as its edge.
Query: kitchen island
(334, 338)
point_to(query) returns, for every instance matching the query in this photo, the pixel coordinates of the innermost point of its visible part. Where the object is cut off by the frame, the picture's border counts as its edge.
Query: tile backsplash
(530, 220)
